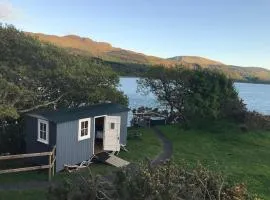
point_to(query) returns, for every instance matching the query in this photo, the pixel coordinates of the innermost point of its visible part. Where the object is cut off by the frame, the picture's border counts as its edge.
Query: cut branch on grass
(220, 189)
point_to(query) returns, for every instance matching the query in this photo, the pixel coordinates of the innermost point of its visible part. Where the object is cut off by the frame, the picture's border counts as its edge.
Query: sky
(234, 32)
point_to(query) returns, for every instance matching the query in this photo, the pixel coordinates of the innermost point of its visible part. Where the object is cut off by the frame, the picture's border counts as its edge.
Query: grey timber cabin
(77, 133)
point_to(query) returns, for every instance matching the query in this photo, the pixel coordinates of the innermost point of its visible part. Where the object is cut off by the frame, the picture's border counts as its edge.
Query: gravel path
(166, 154)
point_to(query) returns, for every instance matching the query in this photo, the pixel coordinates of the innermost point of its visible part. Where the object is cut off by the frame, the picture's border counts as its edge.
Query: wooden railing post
(53, 158)
(50, 168)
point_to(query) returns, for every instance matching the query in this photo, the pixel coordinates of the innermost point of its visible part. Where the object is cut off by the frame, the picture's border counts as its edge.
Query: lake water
(256, 96)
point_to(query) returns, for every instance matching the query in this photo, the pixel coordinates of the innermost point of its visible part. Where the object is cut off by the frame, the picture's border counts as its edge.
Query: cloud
(8, 11)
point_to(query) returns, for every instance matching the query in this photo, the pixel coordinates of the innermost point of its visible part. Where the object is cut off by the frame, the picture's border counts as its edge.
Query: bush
(255, 120)
(234, 109)
(167, 181)
(12, 138)
(83, 188)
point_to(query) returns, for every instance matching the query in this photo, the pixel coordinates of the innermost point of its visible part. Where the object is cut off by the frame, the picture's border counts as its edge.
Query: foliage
(255, 121)
(193, 93)
(35, 74)
(167, 181)
(128, 69)
(11, 137)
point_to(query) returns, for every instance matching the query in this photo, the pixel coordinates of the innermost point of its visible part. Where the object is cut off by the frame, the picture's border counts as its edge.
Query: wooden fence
(50, 166)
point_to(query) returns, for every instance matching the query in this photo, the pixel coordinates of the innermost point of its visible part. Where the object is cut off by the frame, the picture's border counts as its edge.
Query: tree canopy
(35, 75)
(192, 93)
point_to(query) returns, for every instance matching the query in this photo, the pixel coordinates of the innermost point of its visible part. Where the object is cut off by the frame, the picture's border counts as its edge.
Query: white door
(111, 140)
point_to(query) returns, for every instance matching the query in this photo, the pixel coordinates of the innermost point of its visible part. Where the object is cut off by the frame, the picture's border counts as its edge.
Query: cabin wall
(31, 136)
(69, 149)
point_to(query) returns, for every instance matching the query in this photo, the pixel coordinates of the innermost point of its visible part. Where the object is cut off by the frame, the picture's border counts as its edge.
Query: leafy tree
(192, 93)
(35, 75)
(167, 85)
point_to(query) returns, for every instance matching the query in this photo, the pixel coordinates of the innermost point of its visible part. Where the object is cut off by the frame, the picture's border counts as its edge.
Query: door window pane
(112, 125)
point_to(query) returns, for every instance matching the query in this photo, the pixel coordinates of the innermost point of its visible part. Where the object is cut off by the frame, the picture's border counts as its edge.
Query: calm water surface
(256, 96)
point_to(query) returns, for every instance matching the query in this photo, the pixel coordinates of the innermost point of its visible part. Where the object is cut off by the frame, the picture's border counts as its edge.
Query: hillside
(195, 60)
(86, 46)
(122, 60)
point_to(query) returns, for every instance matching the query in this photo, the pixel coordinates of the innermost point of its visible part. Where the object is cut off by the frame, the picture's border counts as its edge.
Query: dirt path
(166, 154)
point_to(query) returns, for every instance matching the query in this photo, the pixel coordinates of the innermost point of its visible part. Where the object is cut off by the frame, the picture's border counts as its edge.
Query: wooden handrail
(24, 169)
(50, 166)
(25, 155)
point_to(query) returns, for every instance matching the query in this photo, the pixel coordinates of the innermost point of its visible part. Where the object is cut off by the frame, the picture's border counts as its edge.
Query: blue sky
(231, 31)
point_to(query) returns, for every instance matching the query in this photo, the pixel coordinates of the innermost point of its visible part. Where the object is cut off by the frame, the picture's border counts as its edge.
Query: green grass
(221, 146)
(146, 146)
(23, 195)
(139, 148)
(24, 176)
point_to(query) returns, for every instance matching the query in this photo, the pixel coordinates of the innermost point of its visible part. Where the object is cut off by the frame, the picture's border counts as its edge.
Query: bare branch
(42, 105)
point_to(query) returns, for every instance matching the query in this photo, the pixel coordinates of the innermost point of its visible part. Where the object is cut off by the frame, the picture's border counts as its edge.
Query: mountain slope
(103, 50)
(126, 58)
(195, 60)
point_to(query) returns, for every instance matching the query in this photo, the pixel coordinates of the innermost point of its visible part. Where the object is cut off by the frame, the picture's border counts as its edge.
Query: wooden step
(116, 161)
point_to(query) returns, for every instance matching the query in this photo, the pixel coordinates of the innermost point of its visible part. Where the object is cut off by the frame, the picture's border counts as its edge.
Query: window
(112, 125)
(43, 131)
(84, 129)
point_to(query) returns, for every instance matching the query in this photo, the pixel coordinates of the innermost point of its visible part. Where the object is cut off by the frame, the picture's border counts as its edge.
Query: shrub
(254, 120)
(139, 182)
(84, 188)
(12, 138)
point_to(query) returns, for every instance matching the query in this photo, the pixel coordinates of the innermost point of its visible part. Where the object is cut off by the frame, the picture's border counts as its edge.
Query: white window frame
(47, 131)
(79, 129)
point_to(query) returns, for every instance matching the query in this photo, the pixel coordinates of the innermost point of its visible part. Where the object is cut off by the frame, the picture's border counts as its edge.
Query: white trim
(47, 131)
(88, 130)
(94, 138)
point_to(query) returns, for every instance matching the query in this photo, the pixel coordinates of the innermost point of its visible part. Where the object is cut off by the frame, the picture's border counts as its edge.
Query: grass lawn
(25, 194)
(147, 146)
(139, 148)
(242, 157)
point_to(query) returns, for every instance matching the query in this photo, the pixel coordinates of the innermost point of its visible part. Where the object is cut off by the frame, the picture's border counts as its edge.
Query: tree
(167, 85)
(191, 93)
(35, 75)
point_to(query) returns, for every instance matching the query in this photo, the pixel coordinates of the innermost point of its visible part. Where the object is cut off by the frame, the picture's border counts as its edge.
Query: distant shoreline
(235, 81)
(251, 82)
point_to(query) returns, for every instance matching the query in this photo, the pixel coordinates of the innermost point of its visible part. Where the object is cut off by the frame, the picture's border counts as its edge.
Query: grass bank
(222, 146)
